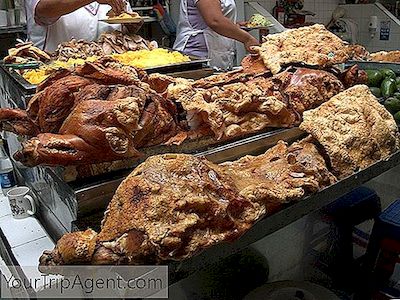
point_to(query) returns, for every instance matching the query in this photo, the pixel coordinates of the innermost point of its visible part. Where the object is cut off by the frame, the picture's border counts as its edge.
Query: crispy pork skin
(173, 206)
(354, 130)
(310, 45)
(246, 107)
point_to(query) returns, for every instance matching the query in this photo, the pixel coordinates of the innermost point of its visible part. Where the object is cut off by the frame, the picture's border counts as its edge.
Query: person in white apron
(207, 28)
(61, 21)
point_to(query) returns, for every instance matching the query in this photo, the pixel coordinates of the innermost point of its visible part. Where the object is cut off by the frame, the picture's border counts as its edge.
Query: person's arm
(212, 14)
(54, 9)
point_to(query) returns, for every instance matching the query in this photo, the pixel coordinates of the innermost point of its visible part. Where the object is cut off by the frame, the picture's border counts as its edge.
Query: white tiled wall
(322, 8)
(361, 14)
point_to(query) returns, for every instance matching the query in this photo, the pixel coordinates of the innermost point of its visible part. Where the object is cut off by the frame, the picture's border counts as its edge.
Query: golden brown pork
(353, 129)
(311, 45)
(57, 96)
(104, 130)
(385, 56)
(173, 206)
(246, 107)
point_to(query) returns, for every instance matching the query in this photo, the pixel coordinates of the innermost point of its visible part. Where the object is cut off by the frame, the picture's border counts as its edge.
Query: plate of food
(124, 18)
(256, 21)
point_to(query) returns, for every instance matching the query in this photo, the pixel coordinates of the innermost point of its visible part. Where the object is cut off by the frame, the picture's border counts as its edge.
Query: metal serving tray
(195, 63)
(15, 91)
(365, 65)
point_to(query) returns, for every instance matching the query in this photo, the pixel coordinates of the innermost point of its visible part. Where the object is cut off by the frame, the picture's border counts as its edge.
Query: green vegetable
(375, 77)
(388, 87)
(398, 87)
(388, 73)
(398, 80)
(376, 91)
(397, 117)
(392, 105)
(396, 95)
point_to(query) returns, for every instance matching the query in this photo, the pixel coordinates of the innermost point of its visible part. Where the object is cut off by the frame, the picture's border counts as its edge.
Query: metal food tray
(365, 65)
(15, 90)
(280, 219)
(195, 63)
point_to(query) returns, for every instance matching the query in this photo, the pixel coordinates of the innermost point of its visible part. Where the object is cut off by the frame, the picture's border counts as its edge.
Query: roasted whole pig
(353, 129)
(78, 118)
(75, 112)
(251, 106)
(99, 130)
(173, 206)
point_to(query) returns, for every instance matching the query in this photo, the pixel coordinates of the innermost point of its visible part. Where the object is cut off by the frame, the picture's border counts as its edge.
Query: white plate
(124, 21)
(256, 27)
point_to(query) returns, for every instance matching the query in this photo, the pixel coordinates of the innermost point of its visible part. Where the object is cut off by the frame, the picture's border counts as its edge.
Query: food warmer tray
(71, 206)
(15, 91)
(195, 63)
(18, 81)
(365, 65)
(270, 224)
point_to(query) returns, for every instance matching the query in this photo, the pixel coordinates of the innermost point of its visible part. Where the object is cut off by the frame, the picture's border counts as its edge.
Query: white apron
(221, 50)
(83, 23)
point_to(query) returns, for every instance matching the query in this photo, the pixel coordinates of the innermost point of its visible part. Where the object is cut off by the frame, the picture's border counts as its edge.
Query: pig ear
(18, 122)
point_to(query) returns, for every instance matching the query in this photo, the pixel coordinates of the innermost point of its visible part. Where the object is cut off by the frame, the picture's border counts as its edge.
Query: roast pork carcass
(247, 107)
(104, 130)
(173, 206)
(72, 119)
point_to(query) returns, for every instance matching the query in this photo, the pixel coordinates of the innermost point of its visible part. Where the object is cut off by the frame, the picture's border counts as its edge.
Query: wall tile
(361, 14)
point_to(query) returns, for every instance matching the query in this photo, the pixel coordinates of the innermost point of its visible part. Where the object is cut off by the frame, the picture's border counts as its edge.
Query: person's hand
(250, 43)
(117, 6)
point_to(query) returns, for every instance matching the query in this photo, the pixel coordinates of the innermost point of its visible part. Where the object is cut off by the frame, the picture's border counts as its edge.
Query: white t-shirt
(83, 23)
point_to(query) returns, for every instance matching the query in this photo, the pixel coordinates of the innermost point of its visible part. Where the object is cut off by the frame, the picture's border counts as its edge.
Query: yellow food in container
(139, 59)
(36, 76)
(150, 58)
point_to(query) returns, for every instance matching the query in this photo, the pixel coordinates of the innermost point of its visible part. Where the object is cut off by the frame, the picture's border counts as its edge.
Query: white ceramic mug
(22, 205)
